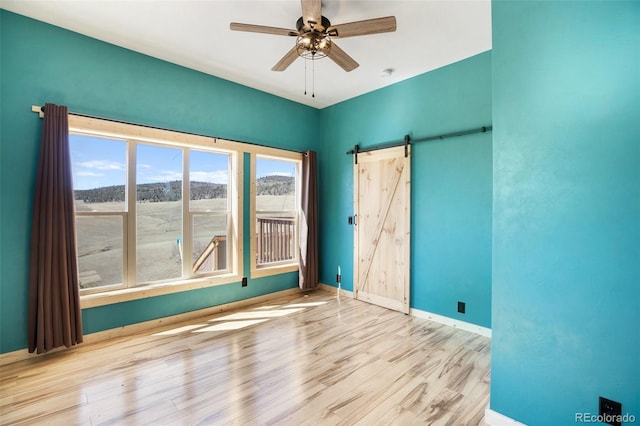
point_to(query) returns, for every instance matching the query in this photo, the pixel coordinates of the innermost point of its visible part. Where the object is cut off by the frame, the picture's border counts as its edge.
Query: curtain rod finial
(38, 109)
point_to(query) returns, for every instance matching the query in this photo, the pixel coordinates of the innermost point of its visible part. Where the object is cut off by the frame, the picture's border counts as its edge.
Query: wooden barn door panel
(382, 242)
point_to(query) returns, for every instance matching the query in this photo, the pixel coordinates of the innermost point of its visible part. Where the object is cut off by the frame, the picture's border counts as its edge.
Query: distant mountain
(172, 191)
(101, 195)
(275, 185)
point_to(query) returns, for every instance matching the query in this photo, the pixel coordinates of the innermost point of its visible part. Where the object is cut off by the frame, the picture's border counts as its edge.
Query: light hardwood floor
(304, 359)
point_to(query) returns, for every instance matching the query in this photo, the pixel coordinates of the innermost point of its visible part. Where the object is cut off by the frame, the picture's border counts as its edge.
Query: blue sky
(101, 162)
(268, 167)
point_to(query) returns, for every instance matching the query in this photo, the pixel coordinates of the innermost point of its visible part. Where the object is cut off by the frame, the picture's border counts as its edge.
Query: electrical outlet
(610, 412)
(461, 307)
(244, 281)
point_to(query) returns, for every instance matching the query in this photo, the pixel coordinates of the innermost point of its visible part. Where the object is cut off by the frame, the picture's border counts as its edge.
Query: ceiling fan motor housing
(324, 24)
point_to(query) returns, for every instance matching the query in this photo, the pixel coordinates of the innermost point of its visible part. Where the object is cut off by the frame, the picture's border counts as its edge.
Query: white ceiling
(195, 34)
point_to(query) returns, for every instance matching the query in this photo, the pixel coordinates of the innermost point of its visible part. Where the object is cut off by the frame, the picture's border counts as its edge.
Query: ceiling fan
(314, 34)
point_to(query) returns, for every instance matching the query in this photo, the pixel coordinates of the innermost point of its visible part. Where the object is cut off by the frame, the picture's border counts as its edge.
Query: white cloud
(101, 165)
(164, 176)
(286, 174)
(216, 176)
(89, 174)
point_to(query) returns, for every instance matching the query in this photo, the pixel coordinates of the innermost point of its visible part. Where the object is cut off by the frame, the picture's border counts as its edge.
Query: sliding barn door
(382, 195)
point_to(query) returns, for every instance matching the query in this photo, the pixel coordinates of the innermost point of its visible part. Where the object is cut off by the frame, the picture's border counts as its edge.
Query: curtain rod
(408, 141)
(40, 111)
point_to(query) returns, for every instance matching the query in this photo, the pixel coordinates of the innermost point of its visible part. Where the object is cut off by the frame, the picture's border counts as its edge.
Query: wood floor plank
(302, 359)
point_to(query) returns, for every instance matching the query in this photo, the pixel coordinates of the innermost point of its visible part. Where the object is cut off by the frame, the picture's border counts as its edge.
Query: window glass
(276, 211)
(208, 181)
(100, 241)
(209, 207)
(99, 173)
(275, 185)
(158, 213)
(99, 180)
(210, 248)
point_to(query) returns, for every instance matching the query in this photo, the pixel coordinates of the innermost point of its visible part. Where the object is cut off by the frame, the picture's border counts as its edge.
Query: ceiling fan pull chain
(305, 77)
(313, 78)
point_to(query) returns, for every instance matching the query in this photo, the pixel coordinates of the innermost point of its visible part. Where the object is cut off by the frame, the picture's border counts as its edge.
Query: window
(276, 200)
(158, 211)
(152, 212)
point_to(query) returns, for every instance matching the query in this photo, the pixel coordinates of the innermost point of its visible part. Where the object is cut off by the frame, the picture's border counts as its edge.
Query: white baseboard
(462, 325)
(493, 418)
(141, 327)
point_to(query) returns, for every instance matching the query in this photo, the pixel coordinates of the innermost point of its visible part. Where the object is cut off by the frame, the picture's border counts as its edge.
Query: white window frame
(258, 271)
(134, 134)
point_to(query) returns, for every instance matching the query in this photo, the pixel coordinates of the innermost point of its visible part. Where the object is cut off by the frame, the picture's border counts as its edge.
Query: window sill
(265, 271)
(125, 295)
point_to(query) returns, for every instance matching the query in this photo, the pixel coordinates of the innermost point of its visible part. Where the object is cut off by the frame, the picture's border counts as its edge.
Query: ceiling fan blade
(369, 26)
(286, 60)
(341, 58)
(311, 11)
(236, 26)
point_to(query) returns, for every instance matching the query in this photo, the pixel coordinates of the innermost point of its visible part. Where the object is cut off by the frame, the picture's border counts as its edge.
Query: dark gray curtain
(308, 271)
(54, 299)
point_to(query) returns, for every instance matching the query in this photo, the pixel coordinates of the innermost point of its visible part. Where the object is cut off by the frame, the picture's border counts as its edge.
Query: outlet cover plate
(611, 412)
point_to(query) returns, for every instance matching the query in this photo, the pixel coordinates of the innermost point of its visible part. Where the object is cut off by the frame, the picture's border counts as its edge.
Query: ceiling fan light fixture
(313, 45)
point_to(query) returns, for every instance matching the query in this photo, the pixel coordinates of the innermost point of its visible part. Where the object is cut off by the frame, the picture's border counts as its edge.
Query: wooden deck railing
(275, 239)
(213, 257)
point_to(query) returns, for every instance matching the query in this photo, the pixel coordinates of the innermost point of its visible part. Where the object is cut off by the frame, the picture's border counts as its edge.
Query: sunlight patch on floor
(180, 330)
(267, 308)
(242, 319)
(257, 314)
(231, 325)
(304, 305)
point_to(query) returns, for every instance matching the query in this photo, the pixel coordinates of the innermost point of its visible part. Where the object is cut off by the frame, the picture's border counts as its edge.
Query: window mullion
(253, 214)
(187, 218)
(235, 210)
(130, 224)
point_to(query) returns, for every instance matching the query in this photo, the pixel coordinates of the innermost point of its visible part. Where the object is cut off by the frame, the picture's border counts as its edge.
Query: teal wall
(451, 183)
(42, 63)
(566, 224)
